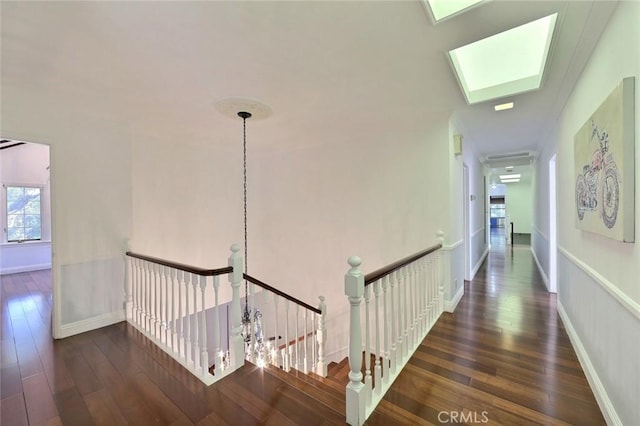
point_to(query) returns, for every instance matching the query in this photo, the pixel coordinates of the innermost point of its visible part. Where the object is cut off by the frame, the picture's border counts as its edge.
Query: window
(24, 219)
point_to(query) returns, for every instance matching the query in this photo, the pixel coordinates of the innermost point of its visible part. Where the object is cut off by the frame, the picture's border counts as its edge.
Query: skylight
(442, 9)
(504, 64)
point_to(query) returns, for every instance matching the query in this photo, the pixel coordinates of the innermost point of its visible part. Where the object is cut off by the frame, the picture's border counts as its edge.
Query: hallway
(503, 357)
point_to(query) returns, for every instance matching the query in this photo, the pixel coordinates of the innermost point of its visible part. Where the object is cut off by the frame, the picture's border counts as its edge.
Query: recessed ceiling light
(509, 180)
(441, 9)
(509, 168)
(514, 176)
(502, 107)
(506, 63)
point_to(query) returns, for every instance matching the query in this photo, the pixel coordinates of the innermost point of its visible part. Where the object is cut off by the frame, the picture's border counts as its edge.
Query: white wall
(598, 291)
(519, 204)
(309, 208)
(478, 209)
(26, 165)
(91, 202)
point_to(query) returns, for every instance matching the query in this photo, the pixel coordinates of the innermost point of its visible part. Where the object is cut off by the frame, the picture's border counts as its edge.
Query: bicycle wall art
(604, 167)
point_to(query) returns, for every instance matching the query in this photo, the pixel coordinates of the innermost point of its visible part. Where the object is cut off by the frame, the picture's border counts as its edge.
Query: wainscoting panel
(606, 336)
(91, 290)
(540, 250)
(453, 274)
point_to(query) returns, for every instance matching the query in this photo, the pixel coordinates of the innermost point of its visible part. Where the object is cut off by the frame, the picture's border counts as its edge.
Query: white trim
(473, 235)
(89, 324)
(450, 305)
(25, 268)
(25, 243)
(479, 264)
(452, 246)
(544, 276)
(604, 402)
(630, 304)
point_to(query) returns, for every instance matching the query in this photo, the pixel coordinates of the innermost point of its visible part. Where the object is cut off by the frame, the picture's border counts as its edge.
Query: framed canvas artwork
(605, 168)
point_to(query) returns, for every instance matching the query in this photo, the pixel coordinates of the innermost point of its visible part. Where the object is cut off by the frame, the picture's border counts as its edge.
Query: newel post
(236, 343)
(128, 281)
(442, 263)
(355, 395)
(321, 368)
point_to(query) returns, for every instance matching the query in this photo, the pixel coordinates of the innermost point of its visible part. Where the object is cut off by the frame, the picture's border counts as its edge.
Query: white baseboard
(89, 324)
(605, 404)
(479, 264)
(25, 268)
(544, 275)
(450, 305)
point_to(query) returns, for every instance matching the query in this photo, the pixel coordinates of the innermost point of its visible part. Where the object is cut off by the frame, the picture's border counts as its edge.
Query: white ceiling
(161, 66)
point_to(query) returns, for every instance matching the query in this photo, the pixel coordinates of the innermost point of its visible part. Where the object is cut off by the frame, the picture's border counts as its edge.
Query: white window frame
(5, 211)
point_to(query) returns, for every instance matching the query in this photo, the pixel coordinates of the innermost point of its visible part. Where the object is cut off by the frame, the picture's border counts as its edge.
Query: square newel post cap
(354, 279)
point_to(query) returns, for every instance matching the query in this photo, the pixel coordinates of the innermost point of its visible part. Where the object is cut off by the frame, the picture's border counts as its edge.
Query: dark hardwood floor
(502, 358)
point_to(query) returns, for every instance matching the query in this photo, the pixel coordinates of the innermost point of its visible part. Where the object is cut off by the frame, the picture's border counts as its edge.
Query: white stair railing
(166, 301)
(411, 294)
(282, 336)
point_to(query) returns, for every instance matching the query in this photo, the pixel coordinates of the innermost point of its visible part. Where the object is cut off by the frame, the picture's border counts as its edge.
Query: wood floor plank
(103, 408)
(41, 407)
(13, 411)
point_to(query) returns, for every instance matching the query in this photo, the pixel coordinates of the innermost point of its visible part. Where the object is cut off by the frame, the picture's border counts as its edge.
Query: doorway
(553, 244)
(25, 210)
(466, 207)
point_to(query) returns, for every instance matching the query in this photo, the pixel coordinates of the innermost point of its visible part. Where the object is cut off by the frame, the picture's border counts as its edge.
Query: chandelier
(251, 318)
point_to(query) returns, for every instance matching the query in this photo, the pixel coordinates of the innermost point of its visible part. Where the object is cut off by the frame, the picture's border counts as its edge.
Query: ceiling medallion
(231, 106)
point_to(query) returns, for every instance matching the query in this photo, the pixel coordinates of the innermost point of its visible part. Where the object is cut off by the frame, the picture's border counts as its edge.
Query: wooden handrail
(181, 266)
(374, 276)
(279, 293)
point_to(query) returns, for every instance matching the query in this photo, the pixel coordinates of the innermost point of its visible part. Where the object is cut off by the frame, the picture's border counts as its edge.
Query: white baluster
(377, 368)
(433, 286)
(321, 368)
(187, 331)
(305, 365)
(138, 311)
(355, 394)
(134, 289)
(368, 383)
(157, 285)
(296, 364)
(266, 356)
(440, 278)
(145, 296)
(167, 277)
(204, 354)
(386, 319)
(252, 326)
(173, 331)
(412, 331)
(128, 289)
(236, 350)
(195, 335)
(287, 360)
(160, 301)
(424, 285)
(180, 319)
(394, 324)
(276, 349)
(405, 309)
(219, 356)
